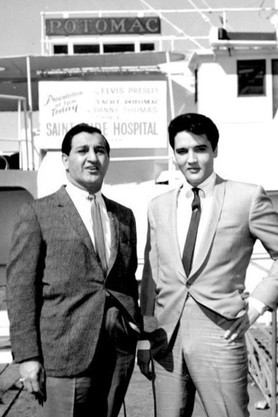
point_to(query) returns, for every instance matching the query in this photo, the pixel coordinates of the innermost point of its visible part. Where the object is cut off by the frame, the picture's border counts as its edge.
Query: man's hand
(33, 377)
(241, 325)
(144, 362)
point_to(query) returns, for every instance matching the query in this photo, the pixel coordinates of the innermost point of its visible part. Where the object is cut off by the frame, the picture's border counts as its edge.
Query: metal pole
(172, 115)
(19, 132)
(42, 35)
(26, 137)
(274, 362)
(30, 109)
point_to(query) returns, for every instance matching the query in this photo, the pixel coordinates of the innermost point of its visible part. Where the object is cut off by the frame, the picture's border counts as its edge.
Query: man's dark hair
(195, 123)
(82, 127)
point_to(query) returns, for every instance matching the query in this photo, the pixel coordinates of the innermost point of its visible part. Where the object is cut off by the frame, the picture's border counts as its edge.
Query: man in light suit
(74, 313)
(196, 321)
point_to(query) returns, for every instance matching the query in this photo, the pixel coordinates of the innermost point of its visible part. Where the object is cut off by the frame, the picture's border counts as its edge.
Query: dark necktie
(98, 231)
(189, 246)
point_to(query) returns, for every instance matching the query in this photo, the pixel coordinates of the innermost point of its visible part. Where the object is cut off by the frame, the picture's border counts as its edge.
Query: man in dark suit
(71, 289)
(199, 304)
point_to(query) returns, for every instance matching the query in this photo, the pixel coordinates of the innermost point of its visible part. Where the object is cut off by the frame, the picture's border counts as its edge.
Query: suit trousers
(100, 390)
(201, 359)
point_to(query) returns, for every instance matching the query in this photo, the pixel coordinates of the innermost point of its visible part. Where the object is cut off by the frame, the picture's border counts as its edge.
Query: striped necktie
(98, 231)
(190, 241)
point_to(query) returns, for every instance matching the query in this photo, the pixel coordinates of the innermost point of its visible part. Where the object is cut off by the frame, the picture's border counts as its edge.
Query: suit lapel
(114, 227)
(171, 221)
(73, 218)
(218, 200)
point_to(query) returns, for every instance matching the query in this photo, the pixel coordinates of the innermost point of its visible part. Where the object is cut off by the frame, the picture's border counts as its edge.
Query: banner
(82, 26)
(130, 114)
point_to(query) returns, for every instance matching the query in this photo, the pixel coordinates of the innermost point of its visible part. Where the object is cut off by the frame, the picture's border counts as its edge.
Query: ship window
(196, 86)
(122, 47)
(146, 46)
(86, 49)
(60, 49)
(251, 77)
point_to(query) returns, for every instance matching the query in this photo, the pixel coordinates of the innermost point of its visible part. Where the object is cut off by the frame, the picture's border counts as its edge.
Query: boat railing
(23, 144)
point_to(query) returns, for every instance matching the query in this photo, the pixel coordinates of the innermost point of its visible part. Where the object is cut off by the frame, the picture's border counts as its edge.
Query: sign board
(130, 114)
(102, 26)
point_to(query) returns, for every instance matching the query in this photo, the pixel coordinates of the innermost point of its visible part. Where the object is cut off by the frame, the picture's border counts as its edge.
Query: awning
(20, 75)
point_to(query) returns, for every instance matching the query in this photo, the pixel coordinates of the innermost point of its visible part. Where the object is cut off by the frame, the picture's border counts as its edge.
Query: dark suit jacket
(56, 289)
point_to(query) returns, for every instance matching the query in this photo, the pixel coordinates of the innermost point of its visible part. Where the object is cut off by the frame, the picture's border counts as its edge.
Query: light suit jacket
(241, 214)
(56, 288)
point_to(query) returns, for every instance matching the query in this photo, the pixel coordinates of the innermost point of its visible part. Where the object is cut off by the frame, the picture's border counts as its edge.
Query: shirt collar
(79, 192)
(206, 187)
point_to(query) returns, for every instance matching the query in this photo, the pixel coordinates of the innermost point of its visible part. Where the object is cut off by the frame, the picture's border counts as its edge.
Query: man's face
(194, 156)
(87, 162)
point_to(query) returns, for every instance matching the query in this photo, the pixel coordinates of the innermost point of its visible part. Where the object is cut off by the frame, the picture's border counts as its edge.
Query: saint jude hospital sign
(131, 114)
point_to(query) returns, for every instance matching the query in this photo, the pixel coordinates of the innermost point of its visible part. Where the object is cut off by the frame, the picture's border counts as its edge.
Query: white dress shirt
(82, 203)
(184, 210)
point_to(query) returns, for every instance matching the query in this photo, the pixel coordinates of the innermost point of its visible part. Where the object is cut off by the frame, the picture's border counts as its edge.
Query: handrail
(274, 363)
(22, 106)
(4, 161)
